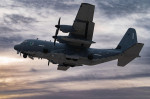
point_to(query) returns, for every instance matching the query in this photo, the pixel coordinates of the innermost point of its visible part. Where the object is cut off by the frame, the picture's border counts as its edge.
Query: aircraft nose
(16, 47)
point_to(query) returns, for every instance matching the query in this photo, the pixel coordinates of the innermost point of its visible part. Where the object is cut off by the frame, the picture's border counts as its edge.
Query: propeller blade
(54, 41)
(58, 25)
(59, 21)
(57, 30)
(48, 62)
(55, 37)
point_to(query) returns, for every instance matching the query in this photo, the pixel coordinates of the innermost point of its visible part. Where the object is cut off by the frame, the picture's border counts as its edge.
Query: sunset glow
(24, 78)
(8, 60)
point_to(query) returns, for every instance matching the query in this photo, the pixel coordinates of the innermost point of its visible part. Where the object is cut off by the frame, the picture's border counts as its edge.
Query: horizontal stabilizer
(122, 61)
(130, 54)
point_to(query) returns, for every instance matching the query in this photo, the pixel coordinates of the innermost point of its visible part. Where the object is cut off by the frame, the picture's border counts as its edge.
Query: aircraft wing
(85, 12)
(83, 25)
(81, 32)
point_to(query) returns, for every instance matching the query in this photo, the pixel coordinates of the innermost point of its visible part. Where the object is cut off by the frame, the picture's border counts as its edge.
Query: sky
(32, 79)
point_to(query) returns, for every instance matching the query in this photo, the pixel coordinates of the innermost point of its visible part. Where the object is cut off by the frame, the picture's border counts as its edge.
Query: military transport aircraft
(74, 49)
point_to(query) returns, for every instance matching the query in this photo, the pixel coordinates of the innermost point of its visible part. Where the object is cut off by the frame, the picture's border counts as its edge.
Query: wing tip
(87, 4)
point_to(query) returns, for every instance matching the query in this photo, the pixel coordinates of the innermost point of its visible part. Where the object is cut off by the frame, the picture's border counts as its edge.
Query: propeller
(57, 30)
(48, 62)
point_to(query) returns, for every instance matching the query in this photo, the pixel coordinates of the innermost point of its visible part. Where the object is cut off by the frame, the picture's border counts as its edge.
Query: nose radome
(16, 47)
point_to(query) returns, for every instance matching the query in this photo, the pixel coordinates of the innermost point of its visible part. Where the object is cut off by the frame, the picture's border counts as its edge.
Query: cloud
(46, 83)
(12, 28)
(7, 42)
(6, 30)
(17, 22)
(124, 93)
(118, 8)
(23, 19)
(33, 70)
(95, 77)
(144, 22)
(101, 74)
(18, 19)
(54, 4)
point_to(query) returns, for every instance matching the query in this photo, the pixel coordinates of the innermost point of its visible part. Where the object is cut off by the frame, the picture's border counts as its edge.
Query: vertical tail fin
(130, 47)
(129, 39)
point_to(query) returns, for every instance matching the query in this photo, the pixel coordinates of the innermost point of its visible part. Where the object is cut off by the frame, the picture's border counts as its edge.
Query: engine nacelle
(66, 28)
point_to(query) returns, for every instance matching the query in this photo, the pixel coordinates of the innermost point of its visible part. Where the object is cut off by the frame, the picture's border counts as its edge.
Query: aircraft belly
(38, 54)
(72, 60)
(100, 60)
(54, 58)
(61, 58)
(64, 59)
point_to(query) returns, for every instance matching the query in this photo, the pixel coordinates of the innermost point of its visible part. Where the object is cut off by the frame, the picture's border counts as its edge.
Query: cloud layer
(26, 79)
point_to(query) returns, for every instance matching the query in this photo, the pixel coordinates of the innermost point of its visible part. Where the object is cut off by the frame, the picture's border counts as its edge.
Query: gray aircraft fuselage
(74, 49)
(66, 55)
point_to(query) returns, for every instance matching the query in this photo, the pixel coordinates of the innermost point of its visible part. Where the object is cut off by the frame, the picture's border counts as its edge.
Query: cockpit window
(31, 43)
(24, 42)
(27, 42)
